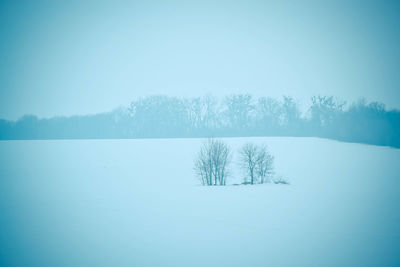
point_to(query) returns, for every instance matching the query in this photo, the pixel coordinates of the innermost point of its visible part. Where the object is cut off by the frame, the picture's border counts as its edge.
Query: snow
(138, 203)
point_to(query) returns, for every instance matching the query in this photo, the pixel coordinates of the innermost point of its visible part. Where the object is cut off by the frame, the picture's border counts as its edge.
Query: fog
(78, 57)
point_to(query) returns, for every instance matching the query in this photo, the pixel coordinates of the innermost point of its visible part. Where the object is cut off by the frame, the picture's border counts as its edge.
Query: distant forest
(233, 116)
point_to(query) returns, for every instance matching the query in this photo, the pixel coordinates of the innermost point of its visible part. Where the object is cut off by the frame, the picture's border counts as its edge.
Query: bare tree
(239, 110)
(212, 161)
(248, 160)
(257, 163)
(264, 164)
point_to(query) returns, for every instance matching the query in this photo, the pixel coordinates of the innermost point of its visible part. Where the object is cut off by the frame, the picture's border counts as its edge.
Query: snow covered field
(138, 203)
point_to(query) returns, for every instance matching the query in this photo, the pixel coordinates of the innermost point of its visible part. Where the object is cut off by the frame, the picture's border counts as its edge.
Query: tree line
(233, 116)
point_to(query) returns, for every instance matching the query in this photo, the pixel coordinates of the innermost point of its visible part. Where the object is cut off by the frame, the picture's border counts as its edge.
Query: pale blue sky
(88, 57)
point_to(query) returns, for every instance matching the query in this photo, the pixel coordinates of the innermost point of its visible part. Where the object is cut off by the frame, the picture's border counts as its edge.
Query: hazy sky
(77, 58)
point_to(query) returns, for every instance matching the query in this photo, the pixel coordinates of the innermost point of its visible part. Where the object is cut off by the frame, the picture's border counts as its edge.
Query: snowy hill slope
(137, 202)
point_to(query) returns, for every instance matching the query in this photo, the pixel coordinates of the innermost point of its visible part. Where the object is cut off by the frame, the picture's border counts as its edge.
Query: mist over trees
(235, 115)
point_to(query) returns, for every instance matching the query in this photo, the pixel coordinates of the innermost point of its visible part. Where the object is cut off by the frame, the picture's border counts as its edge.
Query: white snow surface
(139, 203)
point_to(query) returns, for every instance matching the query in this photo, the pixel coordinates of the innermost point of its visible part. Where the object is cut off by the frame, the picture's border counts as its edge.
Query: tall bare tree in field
(264, 164)
(257, 162)
(212, 162)
(248, 160)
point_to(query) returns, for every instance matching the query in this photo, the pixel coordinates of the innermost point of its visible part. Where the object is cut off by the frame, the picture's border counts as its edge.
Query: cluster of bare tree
(257, 162)
(212, 161)
(211, 164)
